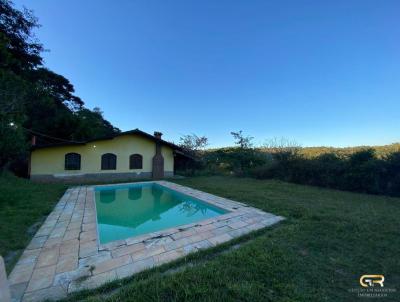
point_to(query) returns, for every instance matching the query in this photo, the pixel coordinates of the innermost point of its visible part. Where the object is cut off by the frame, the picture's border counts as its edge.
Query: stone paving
(65, 255)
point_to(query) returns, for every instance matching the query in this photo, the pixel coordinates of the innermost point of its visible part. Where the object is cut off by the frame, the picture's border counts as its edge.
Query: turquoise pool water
(125, 211)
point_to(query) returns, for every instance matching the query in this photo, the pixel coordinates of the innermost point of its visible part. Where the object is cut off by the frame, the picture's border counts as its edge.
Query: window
(135, 161)
(72, 161)
(108, 161)
(135, 193)
(107, 196)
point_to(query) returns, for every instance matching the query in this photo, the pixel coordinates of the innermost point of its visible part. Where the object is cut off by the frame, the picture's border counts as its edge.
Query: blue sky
(318, 72)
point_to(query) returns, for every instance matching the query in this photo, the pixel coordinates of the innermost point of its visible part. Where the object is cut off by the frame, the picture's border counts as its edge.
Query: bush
(236, 161)
(268, 170)
(328, 168)
(360, 172)
(392, 173)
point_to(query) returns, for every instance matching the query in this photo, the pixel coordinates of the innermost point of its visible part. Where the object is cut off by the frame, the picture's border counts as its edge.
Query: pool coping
(65, 255)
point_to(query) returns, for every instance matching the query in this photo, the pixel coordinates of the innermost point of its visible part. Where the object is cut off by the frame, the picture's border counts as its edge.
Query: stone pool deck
(65, 255)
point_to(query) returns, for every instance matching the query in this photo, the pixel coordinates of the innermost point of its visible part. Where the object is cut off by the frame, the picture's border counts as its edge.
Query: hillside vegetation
(380, 151)
(364, 169)
(311, 152)
(34, 100)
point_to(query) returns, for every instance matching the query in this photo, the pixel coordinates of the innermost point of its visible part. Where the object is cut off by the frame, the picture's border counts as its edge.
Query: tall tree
(192, 143)
(241, 140)
(34, 98)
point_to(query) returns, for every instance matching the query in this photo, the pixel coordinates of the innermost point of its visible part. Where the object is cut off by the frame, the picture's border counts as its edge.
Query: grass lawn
(329, 239)
(23, 207)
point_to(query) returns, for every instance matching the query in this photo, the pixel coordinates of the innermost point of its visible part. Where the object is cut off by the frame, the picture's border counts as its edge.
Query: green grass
(23, 206)
(329, 239)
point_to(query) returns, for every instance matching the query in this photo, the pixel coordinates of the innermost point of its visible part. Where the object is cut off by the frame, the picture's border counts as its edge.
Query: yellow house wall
(51, 160)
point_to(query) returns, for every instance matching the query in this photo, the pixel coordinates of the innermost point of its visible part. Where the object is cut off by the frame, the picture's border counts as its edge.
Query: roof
(135, 131)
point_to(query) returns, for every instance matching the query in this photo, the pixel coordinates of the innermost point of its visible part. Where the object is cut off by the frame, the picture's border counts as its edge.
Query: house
(130, 154)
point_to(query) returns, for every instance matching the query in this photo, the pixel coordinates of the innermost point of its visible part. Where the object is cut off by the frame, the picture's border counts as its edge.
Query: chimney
(33, 140)
(157, 134)
(158, 159)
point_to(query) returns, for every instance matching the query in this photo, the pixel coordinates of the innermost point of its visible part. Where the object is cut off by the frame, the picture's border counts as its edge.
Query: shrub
(328, 169)
(392, 175)
(361, 171)
(234, 160)
(268, 170)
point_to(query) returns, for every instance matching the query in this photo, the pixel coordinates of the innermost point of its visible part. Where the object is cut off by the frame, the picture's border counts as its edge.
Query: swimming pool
(125, 211)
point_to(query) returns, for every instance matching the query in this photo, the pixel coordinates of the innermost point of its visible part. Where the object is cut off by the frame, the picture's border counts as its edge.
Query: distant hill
(380, 150)
(311, 152)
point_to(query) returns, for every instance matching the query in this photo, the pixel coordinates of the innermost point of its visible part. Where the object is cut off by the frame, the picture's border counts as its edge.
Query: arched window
(108, 161)
(135, 193)
(136, 161)
(107, 196)
(72, 161)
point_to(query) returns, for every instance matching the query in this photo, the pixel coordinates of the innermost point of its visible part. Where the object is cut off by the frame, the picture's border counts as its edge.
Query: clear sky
(319, 72)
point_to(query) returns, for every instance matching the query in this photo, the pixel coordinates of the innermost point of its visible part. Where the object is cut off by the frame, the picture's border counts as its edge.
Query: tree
(244, 142)
(34, 98)
(22, 45)
(91, 125)
(13, 96)
(192, 143)
(282, 149)
(57, 87)
(245, 156)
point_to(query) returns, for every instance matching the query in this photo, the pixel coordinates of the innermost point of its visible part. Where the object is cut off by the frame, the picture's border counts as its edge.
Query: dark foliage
(193, 145)
(34, 99)
(361, 171)
(234, 160)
